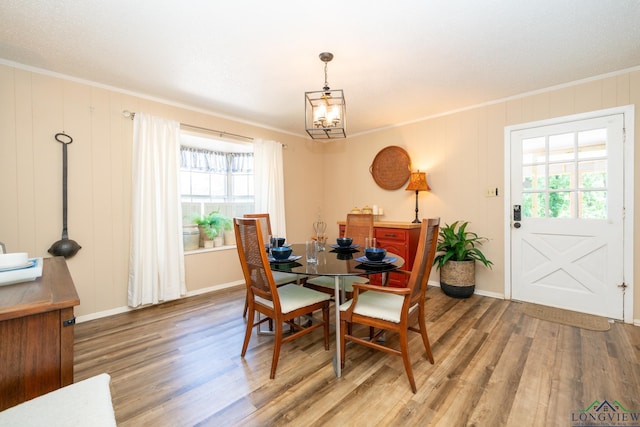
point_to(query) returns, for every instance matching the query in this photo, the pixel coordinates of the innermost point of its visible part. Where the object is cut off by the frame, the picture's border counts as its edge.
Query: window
(215, 175)
(565, 175)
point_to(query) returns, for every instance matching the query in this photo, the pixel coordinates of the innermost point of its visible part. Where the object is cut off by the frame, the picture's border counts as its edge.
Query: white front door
(567, 215)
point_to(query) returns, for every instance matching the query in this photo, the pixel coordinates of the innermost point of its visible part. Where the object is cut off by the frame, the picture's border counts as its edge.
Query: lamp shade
(418, 182)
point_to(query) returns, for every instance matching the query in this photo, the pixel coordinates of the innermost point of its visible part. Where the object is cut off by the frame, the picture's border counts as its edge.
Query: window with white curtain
(215, 175)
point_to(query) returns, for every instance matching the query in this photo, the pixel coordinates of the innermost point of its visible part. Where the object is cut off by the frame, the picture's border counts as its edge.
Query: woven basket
(391, 168)
(457, 278)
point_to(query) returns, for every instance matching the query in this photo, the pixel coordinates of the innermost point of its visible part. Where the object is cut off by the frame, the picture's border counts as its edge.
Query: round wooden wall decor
(391, 168)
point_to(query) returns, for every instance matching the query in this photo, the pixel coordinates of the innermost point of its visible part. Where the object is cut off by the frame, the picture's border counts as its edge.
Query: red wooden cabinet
(400, 238)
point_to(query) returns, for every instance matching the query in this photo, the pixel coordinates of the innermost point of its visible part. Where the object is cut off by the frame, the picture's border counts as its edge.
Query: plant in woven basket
(457, 253)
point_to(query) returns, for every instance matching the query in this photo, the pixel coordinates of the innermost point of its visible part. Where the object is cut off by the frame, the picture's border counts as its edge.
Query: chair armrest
(385, 289)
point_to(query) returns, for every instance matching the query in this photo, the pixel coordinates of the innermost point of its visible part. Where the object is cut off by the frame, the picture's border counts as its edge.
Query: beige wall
(461, 152)
(34, 107)
(463, 155)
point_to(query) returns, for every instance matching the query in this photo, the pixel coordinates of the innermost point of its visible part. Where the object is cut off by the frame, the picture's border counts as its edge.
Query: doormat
(566, 317)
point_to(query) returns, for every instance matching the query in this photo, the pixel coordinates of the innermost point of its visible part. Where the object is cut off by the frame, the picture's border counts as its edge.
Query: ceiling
(253, 60)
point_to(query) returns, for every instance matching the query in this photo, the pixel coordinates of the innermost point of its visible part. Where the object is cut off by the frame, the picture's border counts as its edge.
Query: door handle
(517, 212)
(517, 216)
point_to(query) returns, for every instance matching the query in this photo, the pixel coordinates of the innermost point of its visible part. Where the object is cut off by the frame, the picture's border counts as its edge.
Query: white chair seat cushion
(377, 305)
(293, 297)
(85, 403)
(329, 282)
(282, 278)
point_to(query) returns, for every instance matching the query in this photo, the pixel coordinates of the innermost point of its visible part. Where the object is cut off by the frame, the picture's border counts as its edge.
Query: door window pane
(534, 150)
(593, 204)
(561, 147)
(534, 205)
(592, 143)
(561, 176)
(560, 204)
(534, 177)
(592, 175)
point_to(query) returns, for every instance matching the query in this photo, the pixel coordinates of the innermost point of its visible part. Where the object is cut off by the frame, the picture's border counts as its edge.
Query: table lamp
(417, 182)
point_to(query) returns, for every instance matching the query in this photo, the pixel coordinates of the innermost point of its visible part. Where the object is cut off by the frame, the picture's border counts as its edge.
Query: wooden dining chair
(359, 227)
(281, 304)
(393, 309)
(281, 278)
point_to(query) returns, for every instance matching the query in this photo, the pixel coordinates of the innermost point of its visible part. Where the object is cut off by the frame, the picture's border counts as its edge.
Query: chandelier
(325, 109)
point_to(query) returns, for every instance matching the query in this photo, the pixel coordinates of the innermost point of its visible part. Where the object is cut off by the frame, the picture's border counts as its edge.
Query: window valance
(215, 161)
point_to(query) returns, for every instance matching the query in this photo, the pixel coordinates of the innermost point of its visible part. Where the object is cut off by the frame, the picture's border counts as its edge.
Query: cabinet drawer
(391, 234)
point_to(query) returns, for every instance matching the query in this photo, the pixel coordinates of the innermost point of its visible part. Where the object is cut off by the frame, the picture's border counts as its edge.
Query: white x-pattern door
(567, 245)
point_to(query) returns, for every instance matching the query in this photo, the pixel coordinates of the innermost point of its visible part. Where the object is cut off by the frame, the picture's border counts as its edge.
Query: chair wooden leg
(247, 335)
(425, 338)
(325, 319)
(276, 348)
(404, 348)
(246, 306)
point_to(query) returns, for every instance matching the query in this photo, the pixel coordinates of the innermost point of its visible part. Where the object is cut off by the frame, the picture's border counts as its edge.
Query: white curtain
(156, 263)
(269, 183)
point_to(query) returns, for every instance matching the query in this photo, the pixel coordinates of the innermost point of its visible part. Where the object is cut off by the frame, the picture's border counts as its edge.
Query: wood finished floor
(179, 364)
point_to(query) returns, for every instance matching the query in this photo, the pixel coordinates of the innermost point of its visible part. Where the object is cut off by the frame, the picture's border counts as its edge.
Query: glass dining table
(337, 263)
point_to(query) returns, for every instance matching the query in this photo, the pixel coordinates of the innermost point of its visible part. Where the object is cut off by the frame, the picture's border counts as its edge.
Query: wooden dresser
(36, 334)
(396, 237)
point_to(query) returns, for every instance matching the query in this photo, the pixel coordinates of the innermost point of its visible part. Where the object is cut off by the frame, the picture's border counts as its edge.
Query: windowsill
(203, 250)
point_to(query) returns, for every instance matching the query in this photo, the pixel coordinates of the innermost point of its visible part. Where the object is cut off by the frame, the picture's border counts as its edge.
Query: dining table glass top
(336, 262)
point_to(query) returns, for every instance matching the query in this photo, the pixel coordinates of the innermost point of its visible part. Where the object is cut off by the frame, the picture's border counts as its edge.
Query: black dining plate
(348, 250)
(378, 266)
(338, 247)
(290, 259)
(285, 266)
(386, 260)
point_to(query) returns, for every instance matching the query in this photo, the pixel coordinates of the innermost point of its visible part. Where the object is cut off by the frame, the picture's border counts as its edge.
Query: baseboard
(125, 309)
(101, 314)
(215, 288)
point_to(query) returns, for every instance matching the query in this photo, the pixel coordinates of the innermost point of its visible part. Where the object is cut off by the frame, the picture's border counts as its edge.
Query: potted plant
(207, 231)
(456, 256)
(212, 227)
(224, 228)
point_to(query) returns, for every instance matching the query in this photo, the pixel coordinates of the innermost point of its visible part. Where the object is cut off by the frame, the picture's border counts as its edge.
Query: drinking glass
(312, 251)
(322, 241)
(270, 245)
(370, 242)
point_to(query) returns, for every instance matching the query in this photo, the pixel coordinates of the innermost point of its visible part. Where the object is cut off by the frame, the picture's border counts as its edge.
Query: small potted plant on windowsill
(207, 231)
(222, 225)
(456, 256)
(212, 229)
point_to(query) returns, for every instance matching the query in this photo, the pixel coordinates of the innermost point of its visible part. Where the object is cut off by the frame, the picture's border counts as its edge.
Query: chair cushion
(329, 282)
(282, 278)
(293, 297)
(85, 403)
(377, 305)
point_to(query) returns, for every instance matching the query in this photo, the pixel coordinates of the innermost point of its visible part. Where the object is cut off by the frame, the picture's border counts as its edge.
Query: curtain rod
(131, 115)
